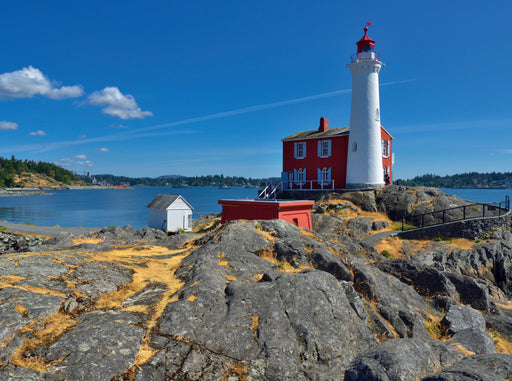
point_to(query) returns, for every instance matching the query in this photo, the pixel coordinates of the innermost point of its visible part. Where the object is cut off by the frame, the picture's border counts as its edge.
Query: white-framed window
(354, 146)
(386, 148)
(324, 176)
(299, 150)
(299, 176)
(377, 114)
(324, 148)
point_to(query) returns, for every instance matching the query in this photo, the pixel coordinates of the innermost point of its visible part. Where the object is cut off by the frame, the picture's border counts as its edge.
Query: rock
(488, 367)
(17, 309)
(501, 324)
(60, 242)
(401, 360)
(467, 326)
(395, 301)
(324, 260)
(426, 280)
(102, 345)
(325, 224)
(13, 243)
(360, 227)
(365, 200)
(471, 292)
(398, 201)
(379, 225)
(98, 277)
(289, 323)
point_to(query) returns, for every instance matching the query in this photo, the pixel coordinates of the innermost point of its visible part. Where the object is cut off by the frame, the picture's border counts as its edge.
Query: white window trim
(299, 176)
(324, 176)
(386, 148)
(296, 146)
(321, 146)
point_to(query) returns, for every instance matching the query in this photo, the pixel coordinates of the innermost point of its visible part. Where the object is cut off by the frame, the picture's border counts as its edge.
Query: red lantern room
(365, 44)
(365, 48)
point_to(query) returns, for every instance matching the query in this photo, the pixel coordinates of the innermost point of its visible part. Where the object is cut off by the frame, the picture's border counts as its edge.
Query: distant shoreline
(46, 191)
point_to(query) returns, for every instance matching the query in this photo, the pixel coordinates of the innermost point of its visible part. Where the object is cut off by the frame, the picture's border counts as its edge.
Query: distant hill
(16, 173)
(464, 180)
(169, 177)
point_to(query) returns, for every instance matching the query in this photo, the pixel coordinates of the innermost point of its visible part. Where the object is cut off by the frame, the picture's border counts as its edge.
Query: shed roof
(163, 201)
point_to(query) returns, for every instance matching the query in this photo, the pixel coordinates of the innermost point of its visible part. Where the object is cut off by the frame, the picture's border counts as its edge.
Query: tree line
(462, 180)
(193, 181)
(10, 168)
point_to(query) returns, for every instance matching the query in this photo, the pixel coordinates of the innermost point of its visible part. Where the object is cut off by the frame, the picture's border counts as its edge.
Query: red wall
(295, 212)
(337, 161)
(386, 161)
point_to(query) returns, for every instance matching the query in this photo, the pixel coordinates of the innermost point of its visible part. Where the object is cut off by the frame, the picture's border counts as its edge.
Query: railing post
(464, 212)
(443, 216)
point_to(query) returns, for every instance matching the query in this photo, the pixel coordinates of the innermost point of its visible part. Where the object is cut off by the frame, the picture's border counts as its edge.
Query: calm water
(97, 208)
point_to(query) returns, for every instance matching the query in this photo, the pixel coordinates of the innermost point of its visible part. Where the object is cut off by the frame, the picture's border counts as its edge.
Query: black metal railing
(458, 213)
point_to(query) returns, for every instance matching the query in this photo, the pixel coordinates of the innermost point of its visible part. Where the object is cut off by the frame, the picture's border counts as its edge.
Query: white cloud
(118, 126)
(4, 126)
(73, 161)
(37, 133)
(102, 149)
(82, 136)
(117, 104)
(30, 81)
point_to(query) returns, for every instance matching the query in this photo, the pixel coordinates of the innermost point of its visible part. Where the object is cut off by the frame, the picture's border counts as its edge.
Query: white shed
(170, 213)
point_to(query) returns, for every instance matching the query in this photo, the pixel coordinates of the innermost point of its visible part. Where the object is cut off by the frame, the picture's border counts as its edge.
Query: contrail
(134, 134)
(265, 106)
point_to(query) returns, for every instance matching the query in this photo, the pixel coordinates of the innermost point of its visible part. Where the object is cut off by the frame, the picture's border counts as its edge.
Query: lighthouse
(364, 156)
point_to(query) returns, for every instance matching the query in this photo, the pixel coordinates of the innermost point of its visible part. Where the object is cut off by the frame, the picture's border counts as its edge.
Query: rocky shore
(260, 300)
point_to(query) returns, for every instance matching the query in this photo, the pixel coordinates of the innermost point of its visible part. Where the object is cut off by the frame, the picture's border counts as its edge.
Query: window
(324, 176)
(386, 147)
(354, 147)
(299, 150)
(324, 148)
(300, 176)
(377, 114)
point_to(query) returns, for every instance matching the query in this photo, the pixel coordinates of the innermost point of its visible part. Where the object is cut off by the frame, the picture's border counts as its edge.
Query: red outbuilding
(317, 159)
(296, 212)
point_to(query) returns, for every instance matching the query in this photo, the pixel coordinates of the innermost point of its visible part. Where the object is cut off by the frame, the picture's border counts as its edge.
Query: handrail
(272, 190)
(491, 207)
(363, 56)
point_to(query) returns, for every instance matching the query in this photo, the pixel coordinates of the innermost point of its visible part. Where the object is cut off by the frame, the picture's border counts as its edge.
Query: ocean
(120, 207)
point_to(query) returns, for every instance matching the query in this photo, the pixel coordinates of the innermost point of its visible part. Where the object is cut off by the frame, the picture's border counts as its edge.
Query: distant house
(170, 213)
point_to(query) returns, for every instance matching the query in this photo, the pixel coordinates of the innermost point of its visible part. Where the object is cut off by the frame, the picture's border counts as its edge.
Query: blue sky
(150, 88)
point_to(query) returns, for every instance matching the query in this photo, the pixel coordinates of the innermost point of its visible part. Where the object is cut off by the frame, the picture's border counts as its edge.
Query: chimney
(324, 124)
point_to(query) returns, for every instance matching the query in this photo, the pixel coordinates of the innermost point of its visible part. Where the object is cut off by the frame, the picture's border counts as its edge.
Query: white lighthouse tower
(364, 159)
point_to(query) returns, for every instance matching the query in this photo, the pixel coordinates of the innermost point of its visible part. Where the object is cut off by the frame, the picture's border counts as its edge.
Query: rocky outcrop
(253, 300)
(467, 327)
(404, 359)
(10, 243)
(491, 367)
